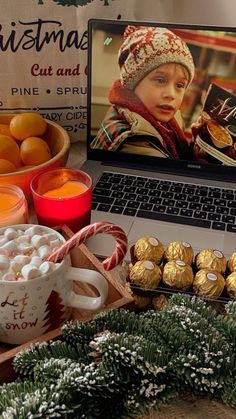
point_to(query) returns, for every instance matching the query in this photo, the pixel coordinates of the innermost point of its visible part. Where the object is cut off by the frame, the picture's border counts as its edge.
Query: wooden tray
(117, 297)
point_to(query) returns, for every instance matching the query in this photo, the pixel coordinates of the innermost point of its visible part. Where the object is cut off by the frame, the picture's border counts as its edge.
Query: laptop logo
(194, 166)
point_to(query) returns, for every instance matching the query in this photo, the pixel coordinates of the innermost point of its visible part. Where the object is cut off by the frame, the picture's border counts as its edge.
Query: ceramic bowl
(219, 135)
(59, 143)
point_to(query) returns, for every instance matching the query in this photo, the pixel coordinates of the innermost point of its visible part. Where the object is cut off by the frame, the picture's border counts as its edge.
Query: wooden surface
(191, 409)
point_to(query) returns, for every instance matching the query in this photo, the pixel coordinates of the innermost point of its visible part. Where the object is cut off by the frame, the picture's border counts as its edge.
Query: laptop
(195, 186)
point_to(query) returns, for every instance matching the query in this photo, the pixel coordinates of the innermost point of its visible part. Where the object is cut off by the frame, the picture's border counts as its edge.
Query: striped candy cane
(89, 231)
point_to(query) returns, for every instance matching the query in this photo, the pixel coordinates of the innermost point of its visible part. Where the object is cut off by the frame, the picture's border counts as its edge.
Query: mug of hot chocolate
(36, 278)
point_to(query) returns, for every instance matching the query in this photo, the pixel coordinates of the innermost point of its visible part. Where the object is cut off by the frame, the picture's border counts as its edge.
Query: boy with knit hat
(156, 67)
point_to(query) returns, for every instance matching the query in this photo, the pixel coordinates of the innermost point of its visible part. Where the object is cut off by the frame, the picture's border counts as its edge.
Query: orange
(5, 130)
(34, 151)
(6, 166)
(9, 150)
(28, 124)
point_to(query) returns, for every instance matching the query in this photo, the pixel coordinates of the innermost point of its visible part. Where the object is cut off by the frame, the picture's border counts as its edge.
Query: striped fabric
(112, 126)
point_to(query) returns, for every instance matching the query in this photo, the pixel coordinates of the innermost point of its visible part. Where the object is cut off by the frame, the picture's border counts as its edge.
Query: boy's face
(162, 90)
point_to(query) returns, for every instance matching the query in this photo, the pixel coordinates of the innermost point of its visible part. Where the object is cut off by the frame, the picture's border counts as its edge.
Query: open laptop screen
(163, 97)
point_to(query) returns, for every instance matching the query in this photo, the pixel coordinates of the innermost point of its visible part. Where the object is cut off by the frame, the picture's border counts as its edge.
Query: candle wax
(7, 201)
(69, 189)
(11, 210)
(63, 199)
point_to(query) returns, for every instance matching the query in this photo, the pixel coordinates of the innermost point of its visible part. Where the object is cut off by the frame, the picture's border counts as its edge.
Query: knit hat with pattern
(145, 48)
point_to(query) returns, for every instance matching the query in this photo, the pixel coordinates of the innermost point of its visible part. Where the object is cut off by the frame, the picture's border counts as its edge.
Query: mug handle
(87, 276)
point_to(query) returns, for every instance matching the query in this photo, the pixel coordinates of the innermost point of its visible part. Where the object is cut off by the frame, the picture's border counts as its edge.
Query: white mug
(32, 307)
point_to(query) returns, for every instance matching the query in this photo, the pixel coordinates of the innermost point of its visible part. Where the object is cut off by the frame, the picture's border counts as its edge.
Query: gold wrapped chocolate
(139, 301)
(159, 302)
(230, 284)
(232, 263)
(149, 248)
(145, 274)
(208, 283)
(211, 259)
(177, 274)
(179, 250)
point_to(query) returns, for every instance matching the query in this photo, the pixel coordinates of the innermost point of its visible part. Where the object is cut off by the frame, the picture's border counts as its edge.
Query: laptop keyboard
(176, 202)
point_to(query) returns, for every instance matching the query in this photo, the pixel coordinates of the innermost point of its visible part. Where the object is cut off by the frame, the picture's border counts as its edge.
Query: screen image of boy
(151, 97)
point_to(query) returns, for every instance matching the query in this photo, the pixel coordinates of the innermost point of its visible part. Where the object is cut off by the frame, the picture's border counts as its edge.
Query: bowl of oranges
(30, 144)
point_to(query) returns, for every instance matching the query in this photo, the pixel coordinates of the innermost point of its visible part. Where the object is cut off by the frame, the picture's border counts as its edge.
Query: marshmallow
(10, 248)
(14, 268)
(10, 233)
(36, 260)
(4, 262)
(25, 248)
(25, 238)
(3, 252)
(34, 230)
(38, 241)
(46, 267)
(54, 244)
(51, 236)
(9, 277)
(30, 271)
(21, 260)
(44, 251)
(23, 254)
(3, 240)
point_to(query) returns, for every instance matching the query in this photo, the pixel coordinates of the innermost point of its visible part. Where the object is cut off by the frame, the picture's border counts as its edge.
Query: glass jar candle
(62, 196)
(13, 206)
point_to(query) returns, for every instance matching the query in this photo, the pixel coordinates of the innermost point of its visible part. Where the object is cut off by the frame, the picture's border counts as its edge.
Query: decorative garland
(121, 363)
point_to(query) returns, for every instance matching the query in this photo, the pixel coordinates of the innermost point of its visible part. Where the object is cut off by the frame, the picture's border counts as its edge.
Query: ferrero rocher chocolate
(230, 284)
(179, 250)
(232, 263)
(159, 301)
(149, 248)
(139, 301)
(208, 283)
(211, 259)
(177, 274)
(145, 274)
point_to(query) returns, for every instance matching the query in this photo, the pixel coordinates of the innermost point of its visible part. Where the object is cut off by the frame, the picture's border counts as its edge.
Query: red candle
(62, 196)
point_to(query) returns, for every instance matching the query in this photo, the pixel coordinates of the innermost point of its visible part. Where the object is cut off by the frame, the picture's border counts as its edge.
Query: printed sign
(43, 49)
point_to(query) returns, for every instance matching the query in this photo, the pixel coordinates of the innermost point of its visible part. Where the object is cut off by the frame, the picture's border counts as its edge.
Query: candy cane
(91, 230)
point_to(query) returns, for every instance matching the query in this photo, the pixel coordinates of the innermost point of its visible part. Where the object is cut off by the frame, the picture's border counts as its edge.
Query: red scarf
(170, 132)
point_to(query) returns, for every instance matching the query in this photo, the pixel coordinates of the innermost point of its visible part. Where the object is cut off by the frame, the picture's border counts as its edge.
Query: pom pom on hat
(145, 48)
